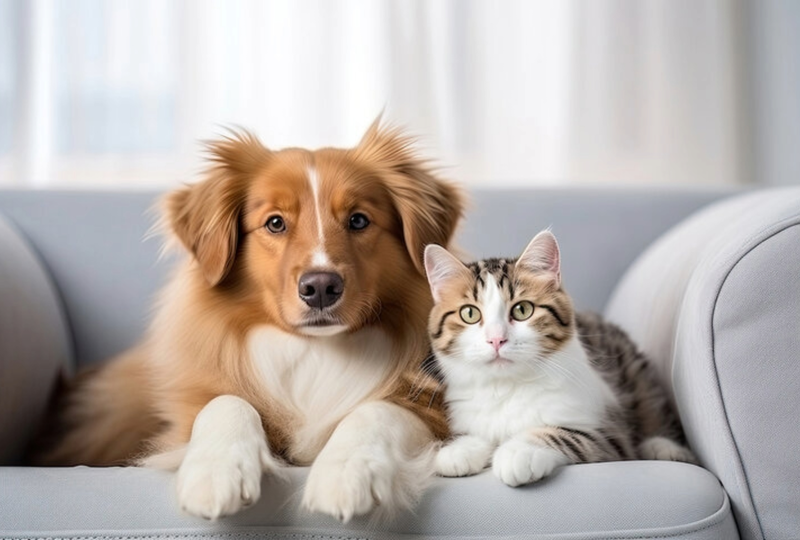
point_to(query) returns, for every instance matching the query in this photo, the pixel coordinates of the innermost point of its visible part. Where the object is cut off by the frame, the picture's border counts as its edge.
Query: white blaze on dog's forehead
(313, 181)
(320, 258)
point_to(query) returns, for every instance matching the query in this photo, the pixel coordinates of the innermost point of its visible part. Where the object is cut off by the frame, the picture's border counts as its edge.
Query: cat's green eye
(470, 314)
(522, 311)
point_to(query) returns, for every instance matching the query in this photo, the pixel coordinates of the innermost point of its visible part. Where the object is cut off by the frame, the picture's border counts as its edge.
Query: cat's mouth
(500, 361)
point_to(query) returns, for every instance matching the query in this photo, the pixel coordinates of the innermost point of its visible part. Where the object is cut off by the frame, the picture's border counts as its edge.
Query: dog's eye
(275, 224)
(358, 221)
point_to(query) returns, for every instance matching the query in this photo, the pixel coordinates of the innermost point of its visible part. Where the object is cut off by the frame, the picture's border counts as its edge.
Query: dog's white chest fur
(319, 379)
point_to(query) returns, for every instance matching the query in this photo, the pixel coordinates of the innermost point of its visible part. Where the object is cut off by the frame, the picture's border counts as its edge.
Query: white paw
(665, 449)
(347, 488)
(378, 455)
(462, 457)
(221, 480)
(518, 462)
(226, 456)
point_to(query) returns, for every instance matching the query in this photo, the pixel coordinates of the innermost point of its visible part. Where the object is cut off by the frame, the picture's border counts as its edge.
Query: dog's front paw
(379, 455)
(226, 456)
(347, 488)
(216, 481)
(518, 462)
(464, 456)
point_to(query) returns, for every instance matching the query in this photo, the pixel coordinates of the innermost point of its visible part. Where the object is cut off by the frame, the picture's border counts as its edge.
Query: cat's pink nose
(497, 342)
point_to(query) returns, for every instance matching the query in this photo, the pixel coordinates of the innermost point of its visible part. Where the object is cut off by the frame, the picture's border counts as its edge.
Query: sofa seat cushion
(606, 500)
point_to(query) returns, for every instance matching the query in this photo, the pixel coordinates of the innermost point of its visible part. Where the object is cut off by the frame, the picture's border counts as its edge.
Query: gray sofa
(715, 299)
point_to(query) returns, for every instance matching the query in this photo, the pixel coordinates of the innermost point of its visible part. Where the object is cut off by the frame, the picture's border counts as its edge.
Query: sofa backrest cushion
(105, 262)
(108, 269)
(35, 342)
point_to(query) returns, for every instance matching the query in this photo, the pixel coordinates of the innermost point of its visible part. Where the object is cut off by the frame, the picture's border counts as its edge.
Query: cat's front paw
(463, 456)
(665, 449)
(518, 462)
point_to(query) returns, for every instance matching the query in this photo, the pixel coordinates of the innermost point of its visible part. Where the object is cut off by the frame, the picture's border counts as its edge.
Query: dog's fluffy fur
(235, 379)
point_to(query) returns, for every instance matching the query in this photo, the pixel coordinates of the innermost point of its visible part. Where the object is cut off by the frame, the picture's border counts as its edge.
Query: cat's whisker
(567, 374)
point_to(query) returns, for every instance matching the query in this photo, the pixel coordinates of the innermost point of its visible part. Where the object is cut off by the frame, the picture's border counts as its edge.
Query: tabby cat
(529, 384)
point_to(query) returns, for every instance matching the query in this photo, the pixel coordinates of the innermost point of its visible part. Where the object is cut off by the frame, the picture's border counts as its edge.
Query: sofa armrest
(716, 304)
(34, 342)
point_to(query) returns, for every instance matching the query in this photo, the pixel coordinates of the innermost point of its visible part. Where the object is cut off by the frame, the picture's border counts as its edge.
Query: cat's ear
(543, 255)
(442, 268)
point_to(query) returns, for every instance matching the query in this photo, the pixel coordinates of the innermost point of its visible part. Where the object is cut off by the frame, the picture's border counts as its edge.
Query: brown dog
(293, 334)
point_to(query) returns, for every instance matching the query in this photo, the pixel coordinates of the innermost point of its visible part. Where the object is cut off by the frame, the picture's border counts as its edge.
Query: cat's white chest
(498, 412)
(572, 396)
(319, 380)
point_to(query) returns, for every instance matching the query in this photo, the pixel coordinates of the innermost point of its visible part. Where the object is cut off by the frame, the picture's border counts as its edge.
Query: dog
(293, 334)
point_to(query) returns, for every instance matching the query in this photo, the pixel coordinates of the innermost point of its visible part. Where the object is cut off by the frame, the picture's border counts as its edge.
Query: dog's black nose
(320, 289)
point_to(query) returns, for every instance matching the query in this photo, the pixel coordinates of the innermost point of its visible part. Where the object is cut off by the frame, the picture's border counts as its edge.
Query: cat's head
(499, 318)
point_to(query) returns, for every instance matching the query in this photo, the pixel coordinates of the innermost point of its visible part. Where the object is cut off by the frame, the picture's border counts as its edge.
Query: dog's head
(323, 241)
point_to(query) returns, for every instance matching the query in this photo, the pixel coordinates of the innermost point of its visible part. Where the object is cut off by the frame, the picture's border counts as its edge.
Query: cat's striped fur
(554, 388)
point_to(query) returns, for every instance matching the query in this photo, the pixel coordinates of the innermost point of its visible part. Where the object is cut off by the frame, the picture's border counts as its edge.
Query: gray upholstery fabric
(756, 339)
(94, 246)
(608, 500)
(647, 300)
(730, 338)
(34, 342)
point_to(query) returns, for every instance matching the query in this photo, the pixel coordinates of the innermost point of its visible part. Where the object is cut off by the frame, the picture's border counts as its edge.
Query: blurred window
(118, 93)
(7, 74)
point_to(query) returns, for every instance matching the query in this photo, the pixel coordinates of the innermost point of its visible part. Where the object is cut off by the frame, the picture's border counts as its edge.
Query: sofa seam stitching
(718, 517)
(202, 534)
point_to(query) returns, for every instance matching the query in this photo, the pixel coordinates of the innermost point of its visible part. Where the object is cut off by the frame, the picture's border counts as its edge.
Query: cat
(530, 385)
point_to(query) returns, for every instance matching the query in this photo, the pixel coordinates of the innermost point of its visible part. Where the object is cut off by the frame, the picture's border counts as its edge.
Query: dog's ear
(429, 207)
(205, 216)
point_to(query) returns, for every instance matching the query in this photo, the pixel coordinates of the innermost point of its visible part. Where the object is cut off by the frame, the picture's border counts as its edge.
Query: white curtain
(117, 93)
